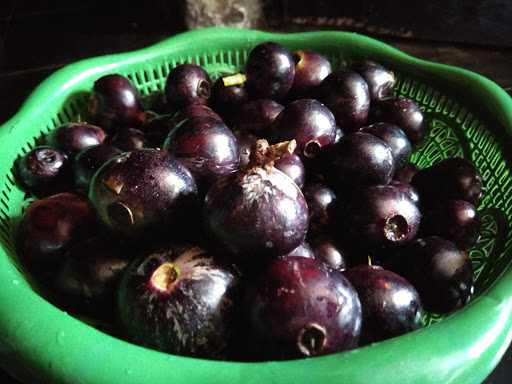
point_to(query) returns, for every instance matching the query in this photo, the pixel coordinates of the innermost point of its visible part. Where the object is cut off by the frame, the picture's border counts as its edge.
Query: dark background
(38, 37)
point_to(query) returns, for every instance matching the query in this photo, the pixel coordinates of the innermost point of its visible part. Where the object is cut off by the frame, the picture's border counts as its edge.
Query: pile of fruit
(271, 214)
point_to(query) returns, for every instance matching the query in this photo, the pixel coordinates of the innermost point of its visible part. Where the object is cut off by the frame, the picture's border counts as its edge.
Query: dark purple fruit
(303, 250)
(179, 300)
(258, 212)
(327, 250)
(207, 147)
(129, 139)
(270, 71)
(157, 128)
(144, 192)
(228, 97)
(72, 138)
(391, 306)
(379, 79)
(346, 94)
(88, 278)
(321, 200)
(50, 227)
(299, 308)
(456, 220)
(309, 123)
(441, 273)
(407, 189)
(311, 69)
(256, 117)
(43, 171)
(188, 84)
(88, 161)
(115, 103)
(291, 165)
(245, 142)
(450, 179)
(361, 159)
(403, 112)
(405, 173)
(382, 216)
(394, 137)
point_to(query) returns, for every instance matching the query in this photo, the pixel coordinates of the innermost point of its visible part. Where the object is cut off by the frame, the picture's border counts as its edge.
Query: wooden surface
(36, 38)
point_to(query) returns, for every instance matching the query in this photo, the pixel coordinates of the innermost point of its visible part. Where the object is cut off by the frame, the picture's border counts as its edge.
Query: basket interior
(454, 131)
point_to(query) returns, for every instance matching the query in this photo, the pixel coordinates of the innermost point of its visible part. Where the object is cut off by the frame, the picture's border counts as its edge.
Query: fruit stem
(264, 155)
(232, 80)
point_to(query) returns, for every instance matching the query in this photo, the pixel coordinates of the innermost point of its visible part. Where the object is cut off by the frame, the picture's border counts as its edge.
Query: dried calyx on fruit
(257, 212)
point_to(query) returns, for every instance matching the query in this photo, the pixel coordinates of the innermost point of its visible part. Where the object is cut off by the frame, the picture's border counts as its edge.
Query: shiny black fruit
(43, 171)
(72, 138)
(144, 192)
(441, 273)
(327, 250)
(454, 178)
(379, 79)
(88, 161)
(50, 227)
(393, 136)
(298, 308)
(321, 201)
(245, 142)
(405, 173)
(310, 123)
(382, 216)
(360, 159)
(391, 305)
(187, 84)
(228, 97)
(311, 69)
(456, 220)
(403, 112)
(270, 71)
(346, 94)
(179, 300)
(115, 103)
(256, 117)
(129, 139)
(291, 165)
(303, 250)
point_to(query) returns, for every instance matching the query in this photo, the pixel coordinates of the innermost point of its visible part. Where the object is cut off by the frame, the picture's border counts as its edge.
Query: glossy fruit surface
(393, 136)
(303, 250)
(87, 280)
(187, 84)
(310, 123)
(382, 216)
(310, 69)
(72, 138)
(407, 189)
(346, 94)
(291, 165)
(379, 79)
(321, 201)
(391, 306)
(403, 112)
(442, 274)
(453, 178)
(157, 128)
(327, 250)
(115, 103)
(256, 213)
(179, 299)
(256, 117)
(456, 220)
(299, 307)
(361, 159)
(207, 147)
(227, 98)
(43, 171)
(270, 71)
(144, 191)
(88, 161)
(129, 139)
(49, 228)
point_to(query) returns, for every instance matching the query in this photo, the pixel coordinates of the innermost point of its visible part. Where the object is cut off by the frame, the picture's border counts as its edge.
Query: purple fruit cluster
(271, 214)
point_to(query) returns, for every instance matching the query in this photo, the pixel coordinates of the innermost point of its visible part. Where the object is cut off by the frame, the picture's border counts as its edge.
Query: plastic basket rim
(495, 301)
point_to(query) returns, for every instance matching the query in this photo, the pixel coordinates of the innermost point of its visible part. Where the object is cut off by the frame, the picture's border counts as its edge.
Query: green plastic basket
(469, 116)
